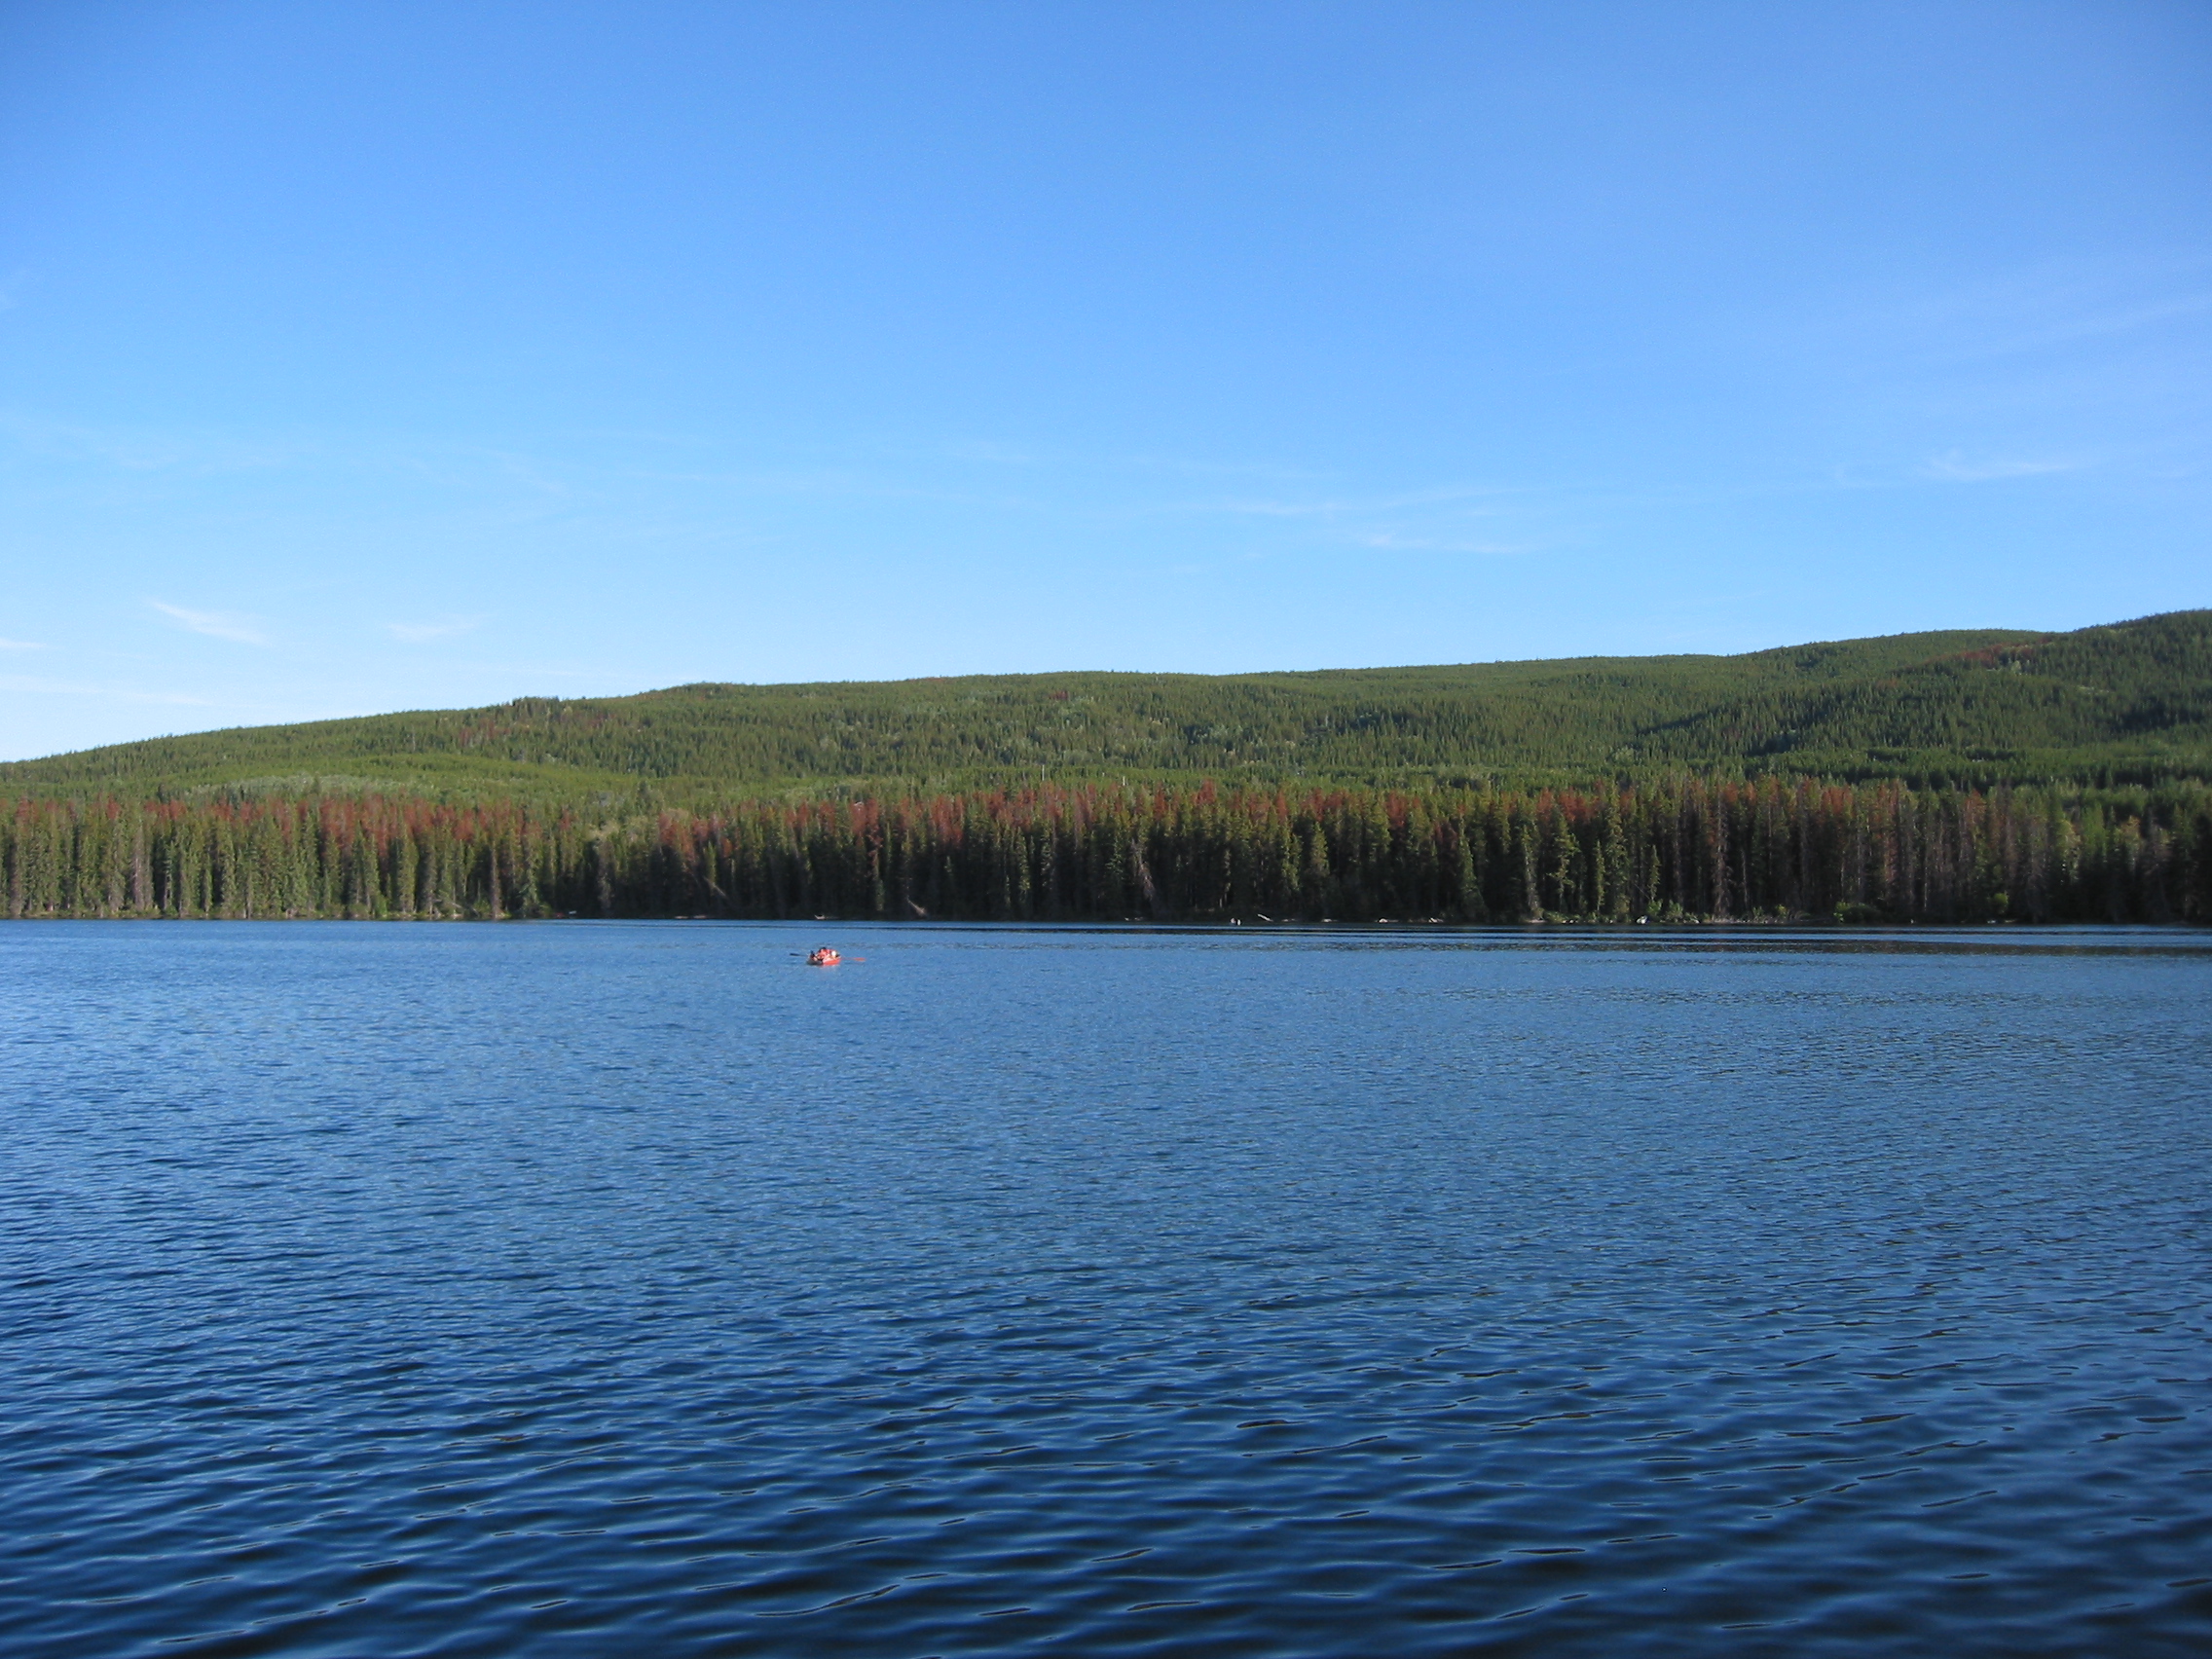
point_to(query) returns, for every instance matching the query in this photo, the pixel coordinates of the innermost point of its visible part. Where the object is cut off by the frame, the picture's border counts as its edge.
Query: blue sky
(355, 359)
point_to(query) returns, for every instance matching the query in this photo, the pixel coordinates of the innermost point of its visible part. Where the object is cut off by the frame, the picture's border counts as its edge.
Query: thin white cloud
(1957, 468)
(1445, 496)
(1391, 541)
(422, 632)
(20, 646)
(2039, 307)
(990, 452)
(136, 450)
(2033, 315)
(993, 454)
(114, 693)
(215, 624)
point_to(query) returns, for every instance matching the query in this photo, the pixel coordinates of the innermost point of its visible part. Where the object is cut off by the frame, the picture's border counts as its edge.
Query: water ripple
(594, 1289)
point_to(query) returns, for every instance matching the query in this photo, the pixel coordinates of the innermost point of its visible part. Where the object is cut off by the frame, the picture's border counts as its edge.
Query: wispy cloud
(422, 632)
(2035, 314)
(114, 693)
(1391, 541)
(215, 624)
(1064, 460)
(136, 449)
(20, 646)
(2047, 307)
(1956, 468)
(1445, 518)
(993, 454)
(1444, 495)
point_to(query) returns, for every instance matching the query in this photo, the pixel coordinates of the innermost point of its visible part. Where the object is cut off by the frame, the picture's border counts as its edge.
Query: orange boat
(822, 957)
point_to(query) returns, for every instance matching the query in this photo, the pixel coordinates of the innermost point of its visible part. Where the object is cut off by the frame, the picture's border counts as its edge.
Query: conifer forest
(1691, 849)
(1985, 776)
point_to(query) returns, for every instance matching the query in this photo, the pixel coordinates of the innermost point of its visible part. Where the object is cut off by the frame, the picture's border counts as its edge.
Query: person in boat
(821, 956)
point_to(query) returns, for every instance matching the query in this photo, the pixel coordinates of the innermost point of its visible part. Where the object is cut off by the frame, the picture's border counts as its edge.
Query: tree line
(2130, 704)
(1681, 849)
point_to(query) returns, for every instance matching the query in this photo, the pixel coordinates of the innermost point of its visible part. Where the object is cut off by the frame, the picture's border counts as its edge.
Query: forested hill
(2130, 702)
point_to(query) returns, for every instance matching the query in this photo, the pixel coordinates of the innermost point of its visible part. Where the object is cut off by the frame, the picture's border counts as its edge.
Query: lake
(600, 1288)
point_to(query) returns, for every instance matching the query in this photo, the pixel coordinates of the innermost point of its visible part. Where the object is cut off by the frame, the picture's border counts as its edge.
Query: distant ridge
(2130, 702)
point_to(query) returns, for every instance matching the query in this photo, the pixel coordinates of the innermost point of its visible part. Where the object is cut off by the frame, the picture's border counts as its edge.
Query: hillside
(2127, 702)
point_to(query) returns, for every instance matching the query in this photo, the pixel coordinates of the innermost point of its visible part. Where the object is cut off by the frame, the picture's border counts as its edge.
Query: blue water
(633, 1289)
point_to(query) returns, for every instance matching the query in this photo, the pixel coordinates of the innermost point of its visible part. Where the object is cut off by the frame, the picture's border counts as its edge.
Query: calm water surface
(606, 1289)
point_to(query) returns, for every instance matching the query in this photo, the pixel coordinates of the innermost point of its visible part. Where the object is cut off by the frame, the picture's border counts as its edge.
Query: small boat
(823, 957)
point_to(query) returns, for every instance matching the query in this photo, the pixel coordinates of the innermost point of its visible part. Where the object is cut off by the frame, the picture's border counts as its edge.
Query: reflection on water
(615, 1289)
